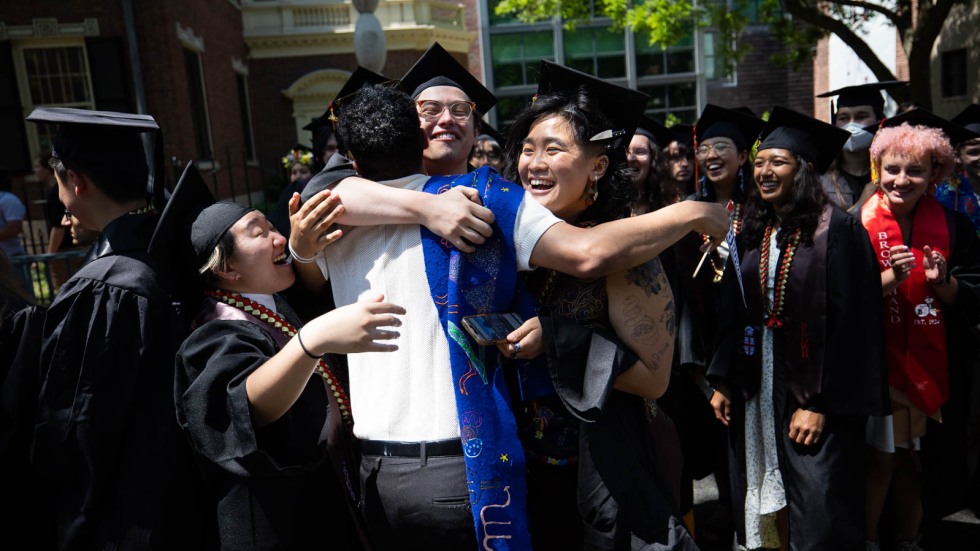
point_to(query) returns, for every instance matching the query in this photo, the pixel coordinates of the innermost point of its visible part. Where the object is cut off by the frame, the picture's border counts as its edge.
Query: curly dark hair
(579, 108)
(807, 201)
(380, 129)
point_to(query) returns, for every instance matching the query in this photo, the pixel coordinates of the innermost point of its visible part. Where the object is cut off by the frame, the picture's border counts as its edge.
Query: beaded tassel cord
(279, 323)
(774, 311)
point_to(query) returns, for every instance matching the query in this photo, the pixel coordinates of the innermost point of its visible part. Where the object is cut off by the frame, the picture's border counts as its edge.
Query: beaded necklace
(278, 322)
(736, 212)
(773, 311)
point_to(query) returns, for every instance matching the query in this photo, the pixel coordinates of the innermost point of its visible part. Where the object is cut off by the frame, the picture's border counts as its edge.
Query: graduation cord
(278, 322)
(736, 213)
(773, 312)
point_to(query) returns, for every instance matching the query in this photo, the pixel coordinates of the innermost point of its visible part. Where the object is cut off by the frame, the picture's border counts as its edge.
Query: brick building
(182, 61)
(231, 82)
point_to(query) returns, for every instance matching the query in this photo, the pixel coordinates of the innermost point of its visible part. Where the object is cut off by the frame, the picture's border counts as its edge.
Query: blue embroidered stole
(478, 283)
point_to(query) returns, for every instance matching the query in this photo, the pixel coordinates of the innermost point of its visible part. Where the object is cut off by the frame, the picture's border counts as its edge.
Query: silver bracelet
(299, 258)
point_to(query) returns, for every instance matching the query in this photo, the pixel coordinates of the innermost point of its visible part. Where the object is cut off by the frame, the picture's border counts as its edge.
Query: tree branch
(815, 17)
(890, 14)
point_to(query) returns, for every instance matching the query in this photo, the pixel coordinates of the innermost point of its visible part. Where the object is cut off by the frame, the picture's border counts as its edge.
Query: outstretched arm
(622, 244)
(275, 386)
(641, 309)
(456, 215)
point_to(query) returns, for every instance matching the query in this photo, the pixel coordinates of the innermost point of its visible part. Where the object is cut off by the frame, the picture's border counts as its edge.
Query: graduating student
(25, 527)
(420, 443)
(958, 192)
(928, 259)
(644, 157)
(595, 478)
(260, 401)
(118, 472)
(798, 370)
(450, 102)
(848, 180)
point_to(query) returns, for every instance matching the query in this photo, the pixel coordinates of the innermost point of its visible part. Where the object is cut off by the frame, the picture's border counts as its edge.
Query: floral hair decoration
(298, 156)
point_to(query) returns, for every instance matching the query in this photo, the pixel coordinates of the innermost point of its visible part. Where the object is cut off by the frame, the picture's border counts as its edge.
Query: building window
(53, 76)
(246, 116)
(598, 52)
(652, 60)
(199, 105)
(516, 57)
(954, 76)
(678, 99)
(508, 108)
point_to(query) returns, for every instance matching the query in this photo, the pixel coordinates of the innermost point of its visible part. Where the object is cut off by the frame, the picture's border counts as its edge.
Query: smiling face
(448, 142)
(555, 169)
(719, 159)
(261, 263)
(862, 115)
(638, 156)
(968, 156)
(905, 179)
(775, 173)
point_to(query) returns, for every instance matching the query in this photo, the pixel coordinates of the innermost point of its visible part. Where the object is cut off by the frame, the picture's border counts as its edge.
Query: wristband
(299, 339)
(299, 258)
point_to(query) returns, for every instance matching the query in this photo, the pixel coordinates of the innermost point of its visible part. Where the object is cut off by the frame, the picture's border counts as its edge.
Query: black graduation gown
(118, 473)
(20, 345)
(626, 493)
(944, 447)
(274, 486)
(839, 372)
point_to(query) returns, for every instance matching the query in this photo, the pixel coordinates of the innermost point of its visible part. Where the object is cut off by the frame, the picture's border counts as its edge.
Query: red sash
(915, 331)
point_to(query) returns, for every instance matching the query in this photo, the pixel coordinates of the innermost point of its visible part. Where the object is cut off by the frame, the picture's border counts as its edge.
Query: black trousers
(417, 503)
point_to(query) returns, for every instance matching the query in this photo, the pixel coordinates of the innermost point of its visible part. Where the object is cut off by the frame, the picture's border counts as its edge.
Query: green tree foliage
(797, 24)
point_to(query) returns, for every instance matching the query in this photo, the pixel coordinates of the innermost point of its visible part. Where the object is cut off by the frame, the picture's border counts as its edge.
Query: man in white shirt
(413, 473)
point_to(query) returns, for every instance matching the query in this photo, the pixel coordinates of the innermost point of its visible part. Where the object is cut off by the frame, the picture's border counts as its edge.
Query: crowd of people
(786, 304)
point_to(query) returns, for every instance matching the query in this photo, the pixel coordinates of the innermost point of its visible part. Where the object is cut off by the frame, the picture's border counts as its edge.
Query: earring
(741, 180)
(592, 190)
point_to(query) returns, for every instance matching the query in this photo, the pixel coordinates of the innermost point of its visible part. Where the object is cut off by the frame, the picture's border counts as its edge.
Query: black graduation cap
(491, 132)
(105, 140)
(969, 118)
(656, 132)
(191, 195)
(920, 117)
(437, 67)
(211, 224)
(745, 111)
(360, 78)
(863, 94)
(813, 140)
(683, 133)
(718, 122)
(622, 106)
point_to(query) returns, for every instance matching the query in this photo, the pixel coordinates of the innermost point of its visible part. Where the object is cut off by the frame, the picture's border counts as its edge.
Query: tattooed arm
(641, 309)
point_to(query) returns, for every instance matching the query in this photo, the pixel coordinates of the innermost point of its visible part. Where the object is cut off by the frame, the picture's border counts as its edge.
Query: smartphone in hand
(489, 329)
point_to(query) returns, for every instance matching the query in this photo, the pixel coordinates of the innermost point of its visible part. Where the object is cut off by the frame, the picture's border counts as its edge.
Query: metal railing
(38, 271)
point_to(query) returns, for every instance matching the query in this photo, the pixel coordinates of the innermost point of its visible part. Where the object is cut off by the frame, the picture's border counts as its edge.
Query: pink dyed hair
(906, 140)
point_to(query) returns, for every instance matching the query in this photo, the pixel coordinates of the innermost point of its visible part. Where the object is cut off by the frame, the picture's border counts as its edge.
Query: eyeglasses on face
(492, 155)
(431, 110)
(720, 148)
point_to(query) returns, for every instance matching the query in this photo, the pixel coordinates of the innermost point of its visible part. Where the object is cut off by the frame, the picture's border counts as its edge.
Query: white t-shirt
(406, 395)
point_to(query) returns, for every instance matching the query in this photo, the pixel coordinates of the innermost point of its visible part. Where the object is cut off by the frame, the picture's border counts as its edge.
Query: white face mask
(860, 139)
